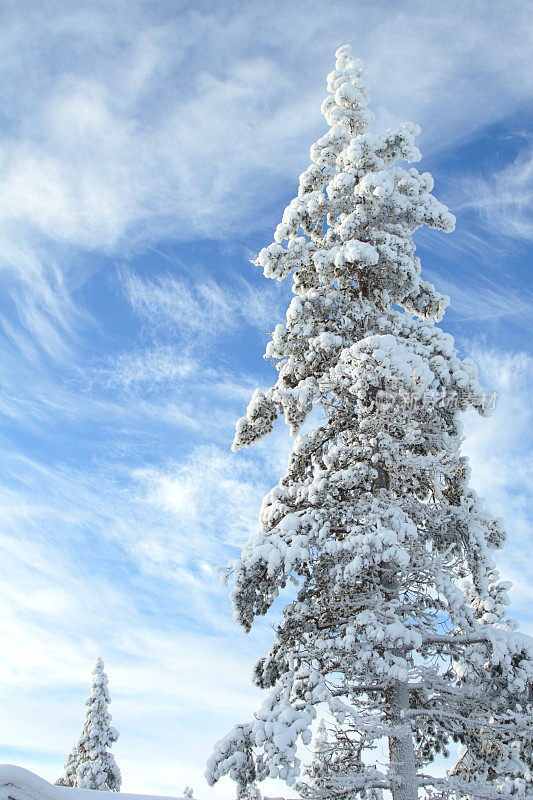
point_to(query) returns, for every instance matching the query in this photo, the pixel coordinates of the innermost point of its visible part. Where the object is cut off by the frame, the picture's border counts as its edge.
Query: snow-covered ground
(17, 783)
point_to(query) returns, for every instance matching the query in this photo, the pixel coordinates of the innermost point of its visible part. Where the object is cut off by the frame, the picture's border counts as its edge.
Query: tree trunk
(401, 747)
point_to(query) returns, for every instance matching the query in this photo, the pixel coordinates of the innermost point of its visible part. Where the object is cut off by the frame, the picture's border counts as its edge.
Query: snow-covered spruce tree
(397, 630)
(90, 764)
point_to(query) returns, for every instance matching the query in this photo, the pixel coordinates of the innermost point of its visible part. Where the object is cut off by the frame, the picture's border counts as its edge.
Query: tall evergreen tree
(397, 627)
(90, 764)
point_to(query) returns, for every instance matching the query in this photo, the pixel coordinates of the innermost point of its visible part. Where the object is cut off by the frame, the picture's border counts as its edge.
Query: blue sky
(147, 151)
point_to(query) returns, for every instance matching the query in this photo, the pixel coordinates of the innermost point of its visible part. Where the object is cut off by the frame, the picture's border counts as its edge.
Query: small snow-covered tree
(90, 764)
(397, 625)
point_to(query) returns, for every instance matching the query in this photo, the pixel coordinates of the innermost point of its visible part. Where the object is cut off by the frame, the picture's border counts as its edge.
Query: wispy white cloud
(39, 315)
(152, 367)
(210, 488)
(483, 298)
(180, 307)
(504, 199)
(500, 453)
(201, 309)
(176, 519)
